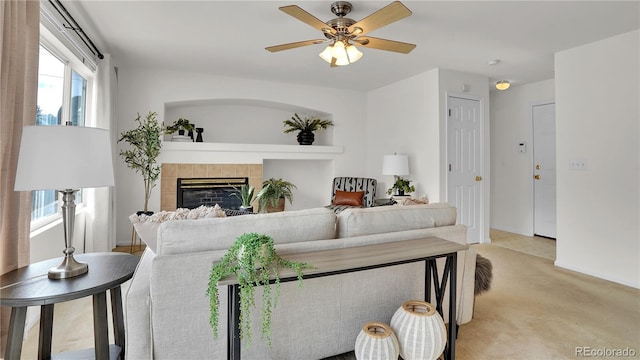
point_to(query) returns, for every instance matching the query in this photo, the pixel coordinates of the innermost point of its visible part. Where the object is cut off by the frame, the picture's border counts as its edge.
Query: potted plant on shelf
(273, 194)
(253, 260)
(401, 186)
(145, 148)
(306, 127)
(181, 125)
(246, 196)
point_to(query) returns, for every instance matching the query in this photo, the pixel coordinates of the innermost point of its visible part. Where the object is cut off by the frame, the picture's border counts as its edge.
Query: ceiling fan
(341, 31)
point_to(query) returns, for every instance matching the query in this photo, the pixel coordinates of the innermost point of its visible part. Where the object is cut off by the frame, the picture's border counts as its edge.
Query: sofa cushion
(351, 198)
(177, 237)
(386, 219)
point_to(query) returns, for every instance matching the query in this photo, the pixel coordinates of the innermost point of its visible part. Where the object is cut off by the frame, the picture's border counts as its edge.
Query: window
(62, 99)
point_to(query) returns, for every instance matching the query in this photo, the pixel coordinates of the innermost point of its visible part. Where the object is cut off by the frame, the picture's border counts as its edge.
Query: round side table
(31, 286)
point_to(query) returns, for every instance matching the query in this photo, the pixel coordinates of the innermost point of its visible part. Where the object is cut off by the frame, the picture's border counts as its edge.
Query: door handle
(478, 178)
(537, 177)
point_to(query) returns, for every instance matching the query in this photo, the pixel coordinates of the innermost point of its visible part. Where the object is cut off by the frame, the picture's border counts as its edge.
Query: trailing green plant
(180, 124)
(402, 186)
(146, 144)
(245, 194)
(272, 190)
(254, 261)
(310, 123)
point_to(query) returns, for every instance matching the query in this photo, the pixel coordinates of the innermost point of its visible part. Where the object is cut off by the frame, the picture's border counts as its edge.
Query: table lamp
(64, 158)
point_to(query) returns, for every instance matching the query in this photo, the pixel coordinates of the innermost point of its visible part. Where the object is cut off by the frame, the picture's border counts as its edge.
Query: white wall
(409, 117)
(511, 170)
(142, 89)
(403, 118)
(597, 114)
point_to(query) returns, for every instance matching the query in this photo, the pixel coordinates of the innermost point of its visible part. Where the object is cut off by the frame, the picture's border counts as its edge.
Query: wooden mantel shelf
(245, 153)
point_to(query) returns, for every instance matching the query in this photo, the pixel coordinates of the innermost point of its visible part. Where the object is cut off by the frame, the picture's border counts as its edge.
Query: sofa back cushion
(386, 219)
(186, 236)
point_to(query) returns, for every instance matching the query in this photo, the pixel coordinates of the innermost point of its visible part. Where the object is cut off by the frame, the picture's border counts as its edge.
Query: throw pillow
(348, 198)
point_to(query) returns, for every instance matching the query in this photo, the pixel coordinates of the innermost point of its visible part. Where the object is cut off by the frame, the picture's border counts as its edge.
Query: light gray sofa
(167, 311)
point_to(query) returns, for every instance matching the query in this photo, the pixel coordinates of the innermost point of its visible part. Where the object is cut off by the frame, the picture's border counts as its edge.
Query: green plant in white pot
(246, 196)
(145, 144)
(253, 260)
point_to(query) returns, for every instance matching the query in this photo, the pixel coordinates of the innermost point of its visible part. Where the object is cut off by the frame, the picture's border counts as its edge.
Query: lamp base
(68, 268)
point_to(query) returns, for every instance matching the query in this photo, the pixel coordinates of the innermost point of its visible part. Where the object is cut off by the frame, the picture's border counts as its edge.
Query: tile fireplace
(171, 173)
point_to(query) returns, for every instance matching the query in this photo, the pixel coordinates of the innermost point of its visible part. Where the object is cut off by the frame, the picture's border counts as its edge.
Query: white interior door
(464, 154)
(544, 172)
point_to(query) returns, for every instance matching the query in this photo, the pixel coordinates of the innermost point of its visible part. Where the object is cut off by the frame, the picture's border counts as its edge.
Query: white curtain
(101, 221)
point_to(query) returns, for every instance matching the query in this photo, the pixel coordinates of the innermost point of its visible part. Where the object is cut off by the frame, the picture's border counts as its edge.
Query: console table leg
(233, 322)
(451, 266)
(13, 350)
(100, 326)
(46, 331)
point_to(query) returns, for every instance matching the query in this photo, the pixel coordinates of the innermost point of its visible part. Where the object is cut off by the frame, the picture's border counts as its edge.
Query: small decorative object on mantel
(181, 125)
(420, 330)
(146, 144)
(199, 131)
(254, 261)
(306, 127)
(376, 341)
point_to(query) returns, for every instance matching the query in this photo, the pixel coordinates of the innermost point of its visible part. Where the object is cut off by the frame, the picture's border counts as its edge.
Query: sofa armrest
(137, 310)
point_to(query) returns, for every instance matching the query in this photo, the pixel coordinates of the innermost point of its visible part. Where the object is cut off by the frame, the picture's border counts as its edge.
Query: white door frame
(485, 172)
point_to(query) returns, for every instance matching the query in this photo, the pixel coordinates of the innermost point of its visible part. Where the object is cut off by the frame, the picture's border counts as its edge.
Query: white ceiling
(228, 37)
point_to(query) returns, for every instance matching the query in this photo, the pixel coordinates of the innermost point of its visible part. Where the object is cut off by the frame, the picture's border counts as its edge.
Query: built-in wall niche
(243, 121)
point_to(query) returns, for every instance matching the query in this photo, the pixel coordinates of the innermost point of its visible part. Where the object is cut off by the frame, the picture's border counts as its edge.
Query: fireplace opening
(194, 192)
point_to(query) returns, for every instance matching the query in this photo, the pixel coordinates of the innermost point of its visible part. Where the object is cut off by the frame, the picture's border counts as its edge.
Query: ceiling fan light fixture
(503, 85)
(326, 53)
(344, 54)
(353, 53)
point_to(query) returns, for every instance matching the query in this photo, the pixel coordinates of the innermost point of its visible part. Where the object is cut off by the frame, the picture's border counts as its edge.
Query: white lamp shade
(326, 53)
(64, 157)
(353, 53)
(395, 165)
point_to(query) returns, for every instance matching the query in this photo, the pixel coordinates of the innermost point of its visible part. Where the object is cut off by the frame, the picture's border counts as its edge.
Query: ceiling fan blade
(298, 13)
(383, 44)
(294, 45)
(385, 16)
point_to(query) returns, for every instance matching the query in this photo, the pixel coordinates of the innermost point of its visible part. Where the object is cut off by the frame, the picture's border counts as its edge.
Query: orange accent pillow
(348, 198)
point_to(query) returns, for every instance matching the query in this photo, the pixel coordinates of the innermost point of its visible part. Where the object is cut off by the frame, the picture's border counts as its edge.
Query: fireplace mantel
(192, 152)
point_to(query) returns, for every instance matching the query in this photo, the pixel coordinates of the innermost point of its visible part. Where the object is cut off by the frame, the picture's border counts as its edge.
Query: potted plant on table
(306, 127)
(401, 186)
(273, 194)
(145, 148)
(253, 260)
(246, 196)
